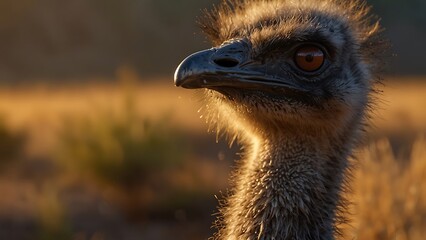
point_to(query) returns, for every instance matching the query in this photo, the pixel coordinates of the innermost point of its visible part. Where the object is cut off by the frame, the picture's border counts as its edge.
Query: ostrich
(291, 80)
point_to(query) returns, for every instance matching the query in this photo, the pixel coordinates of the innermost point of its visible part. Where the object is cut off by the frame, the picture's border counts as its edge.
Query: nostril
(226, 62)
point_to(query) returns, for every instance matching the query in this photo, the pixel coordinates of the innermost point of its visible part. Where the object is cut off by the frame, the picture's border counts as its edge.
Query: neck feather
(286, 188)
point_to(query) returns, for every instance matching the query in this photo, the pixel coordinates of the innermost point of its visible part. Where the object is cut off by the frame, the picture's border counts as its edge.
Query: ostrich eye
(309, 58)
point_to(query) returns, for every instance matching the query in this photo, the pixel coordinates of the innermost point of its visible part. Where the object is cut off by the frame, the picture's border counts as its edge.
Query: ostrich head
(285, 64)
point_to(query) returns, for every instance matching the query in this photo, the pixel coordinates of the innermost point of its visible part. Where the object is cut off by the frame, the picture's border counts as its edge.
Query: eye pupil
(309, 58)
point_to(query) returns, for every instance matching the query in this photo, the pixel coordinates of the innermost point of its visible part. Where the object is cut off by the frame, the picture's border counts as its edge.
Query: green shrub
(123, 149)
(11, 144)
(53, 222)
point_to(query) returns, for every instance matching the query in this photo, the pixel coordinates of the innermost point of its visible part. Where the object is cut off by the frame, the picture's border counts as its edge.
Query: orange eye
(309, 58)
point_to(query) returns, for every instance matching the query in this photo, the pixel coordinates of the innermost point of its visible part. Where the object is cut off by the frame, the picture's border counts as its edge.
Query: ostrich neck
(286, 188)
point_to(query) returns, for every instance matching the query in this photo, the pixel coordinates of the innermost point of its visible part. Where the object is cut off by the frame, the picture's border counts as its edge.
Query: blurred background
(96, 143)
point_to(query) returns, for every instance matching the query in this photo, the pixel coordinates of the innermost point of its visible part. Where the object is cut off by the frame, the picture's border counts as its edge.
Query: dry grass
(389, 201)
(389, 196)
(401, 105)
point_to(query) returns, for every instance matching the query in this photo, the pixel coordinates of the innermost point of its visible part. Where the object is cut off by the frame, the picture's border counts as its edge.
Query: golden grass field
(44, 199)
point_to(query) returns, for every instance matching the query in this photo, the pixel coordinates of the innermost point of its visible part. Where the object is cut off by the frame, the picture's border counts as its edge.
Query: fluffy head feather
(347, 30)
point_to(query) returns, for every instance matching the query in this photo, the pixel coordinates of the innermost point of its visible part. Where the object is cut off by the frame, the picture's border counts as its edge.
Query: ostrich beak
(213, 67)
(226, 66)
(197, 70)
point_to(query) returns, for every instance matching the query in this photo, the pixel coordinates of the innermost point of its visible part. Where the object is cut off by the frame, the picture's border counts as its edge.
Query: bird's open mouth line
(262, 84)
(253, 80)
